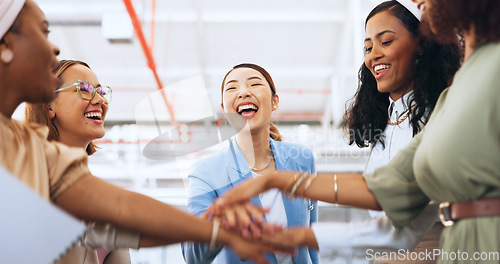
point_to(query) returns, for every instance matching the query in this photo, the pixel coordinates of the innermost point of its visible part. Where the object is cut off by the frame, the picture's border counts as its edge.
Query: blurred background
(312, 49)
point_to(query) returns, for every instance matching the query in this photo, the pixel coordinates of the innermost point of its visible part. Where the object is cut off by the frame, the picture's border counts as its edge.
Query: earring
(49, 107)
(6, 56)
(274, 107)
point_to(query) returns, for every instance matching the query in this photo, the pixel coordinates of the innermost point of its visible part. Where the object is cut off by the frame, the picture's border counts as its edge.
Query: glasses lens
(105, 92)
(87, 90)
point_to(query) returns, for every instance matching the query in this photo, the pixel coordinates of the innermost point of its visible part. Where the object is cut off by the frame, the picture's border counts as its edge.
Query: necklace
(265, 167)
(402, 118)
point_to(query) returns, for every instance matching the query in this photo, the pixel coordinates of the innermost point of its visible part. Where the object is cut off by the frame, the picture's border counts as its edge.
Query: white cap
(9, 9)
(412, 7)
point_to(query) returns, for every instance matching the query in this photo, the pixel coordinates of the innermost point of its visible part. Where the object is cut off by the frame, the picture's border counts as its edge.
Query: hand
(255, 250)
(244, 218)
(293, 237)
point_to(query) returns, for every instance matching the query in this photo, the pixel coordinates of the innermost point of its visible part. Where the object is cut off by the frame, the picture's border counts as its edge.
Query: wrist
(308, 238)
(224, 237)
(277, 180)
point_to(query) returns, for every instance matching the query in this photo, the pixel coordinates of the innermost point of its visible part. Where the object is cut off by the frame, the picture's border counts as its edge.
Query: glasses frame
(77, 85)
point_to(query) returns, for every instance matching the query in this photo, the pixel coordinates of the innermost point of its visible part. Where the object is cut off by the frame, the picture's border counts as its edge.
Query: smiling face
(78, 121)
(390, 54)
(28, 76)
(246, 92)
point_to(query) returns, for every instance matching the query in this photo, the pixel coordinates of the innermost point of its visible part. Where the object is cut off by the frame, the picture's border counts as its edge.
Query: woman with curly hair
(454, 160)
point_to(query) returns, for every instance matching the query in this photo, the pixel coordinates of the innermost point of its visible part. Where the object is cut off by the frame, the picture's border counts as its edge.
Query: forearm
(351, 189)
(93, 199)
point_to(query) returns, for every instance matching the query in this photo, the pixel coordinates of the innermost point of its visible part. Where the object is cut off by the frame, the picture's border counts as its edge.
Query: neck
(8, 105)
(73, 142)
(255, 147)
(470, 42)
(397, 95)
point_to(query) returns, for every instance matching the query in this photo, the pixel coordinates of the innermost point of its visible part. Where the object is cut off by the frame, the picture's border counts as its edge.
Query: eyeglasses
(87, 91)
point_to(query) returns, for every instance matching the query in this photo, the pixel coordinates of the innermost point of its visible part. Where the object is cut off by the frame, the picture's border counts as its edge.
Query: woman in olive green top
(456, 158)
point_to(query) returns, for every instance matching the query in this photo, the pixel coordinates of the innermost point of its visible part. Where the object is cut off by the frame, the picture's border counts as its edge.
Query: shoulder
(210, 164)
(293, 150)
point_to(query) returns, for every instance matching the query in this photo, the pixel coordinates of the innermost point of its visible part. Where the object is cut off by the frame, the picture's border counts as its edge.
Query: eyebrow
(251, 78)
(254, 77)
(380, 34)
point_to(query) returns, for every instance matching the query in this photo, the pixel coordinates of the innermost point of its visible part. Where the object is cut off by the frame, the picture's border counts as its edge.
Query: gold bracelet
(303, 175)
(335, 188)
(215, 232)
(308, 183)
(290, 183)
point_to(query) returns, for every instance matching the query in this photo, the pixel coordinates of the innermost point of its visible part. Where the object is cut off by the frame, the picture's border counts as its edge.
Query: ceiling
(311, 48)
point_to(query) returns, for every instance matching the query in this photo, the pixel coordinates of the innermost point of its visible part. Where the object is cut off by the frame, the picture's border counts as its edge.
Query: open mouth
(247, 110)
(94, 115)
(381, 69)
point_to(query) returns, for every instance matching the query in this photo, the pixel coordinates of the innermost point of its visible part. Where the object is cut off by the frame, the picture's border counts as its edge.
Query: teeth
(245, 107)
(93, 114)
(381, 67)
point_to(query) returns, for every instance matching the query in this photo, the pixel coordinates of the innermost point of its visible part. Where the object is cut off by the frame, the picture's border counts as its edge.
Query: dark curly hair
(366, 115)
(450, 17)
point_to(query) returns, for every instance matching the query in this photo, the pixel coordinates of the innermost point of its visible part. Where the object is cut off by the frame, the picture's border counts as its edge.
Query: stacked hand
(239, 215)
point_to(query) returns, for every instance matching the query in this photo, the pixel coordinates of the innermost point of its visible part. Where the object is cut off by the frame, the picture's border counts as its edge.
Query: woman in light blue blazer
(248, 91)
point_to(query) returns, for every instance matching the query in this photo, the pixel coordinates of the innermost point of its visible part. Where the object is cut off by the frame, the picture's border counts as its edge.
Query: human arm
(351, 190)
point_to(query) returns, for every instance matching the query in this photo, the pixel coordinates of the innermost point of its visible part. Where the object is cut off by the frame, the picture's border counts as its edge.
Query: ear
(51, 113)
(6, 54)
(276, 102)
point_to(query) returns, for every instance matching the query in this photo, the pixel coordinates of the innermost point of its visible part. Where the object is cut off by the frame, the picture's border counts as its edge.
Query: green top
(455, 158)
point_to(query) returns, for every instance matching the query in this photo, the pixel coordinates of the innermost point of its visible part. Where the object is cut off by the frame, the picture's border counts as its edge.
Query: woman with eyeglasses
(59, 173)
(76, 118)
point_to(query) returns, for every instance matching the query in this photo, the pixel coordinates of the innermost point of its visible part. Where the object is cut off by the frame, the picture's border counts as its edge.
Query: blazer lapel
(237, 167)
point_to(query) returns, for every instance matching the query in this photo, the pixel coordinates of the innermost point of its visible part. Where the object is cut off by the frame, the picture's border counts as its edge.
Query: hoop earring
(7, 56)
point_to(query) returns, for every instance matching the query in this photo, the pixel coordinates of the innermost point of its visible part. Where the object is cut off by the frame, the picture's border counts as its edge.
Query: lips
(94, 115)
(380, 69)
(421, 6)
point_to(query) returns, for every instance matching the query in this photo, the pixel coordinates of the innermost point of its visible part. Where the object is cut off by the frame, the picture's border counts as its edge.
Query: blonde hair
(37, 113)
(274, 132)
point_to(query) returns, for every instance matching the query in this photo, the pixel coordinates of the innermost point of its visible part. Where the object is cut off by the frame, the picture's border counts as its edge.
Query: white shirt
(273, 200)
(350, 240)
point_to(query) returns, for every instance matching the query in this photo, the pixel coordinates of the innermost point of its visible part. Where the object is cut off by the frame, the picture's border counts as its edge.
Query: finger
(255, 212)
(271, 229)
(242, 215)
(230, 217)
(255, 231)
(207, 214)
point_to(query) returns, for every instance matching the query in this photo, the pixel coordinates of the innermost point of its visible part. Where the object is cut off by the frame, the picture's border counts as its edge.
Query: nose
(376, 53)
(98, 99)
(56, 49)
(243, 92)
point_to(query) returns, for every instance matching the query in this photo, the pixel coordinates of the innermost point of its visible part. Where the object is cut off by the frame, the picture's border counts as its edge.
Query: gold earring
(6, 56)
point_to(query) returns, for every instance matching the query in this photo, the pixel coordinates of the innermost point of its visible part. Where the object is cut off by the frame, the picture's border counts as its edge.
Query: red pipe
(149, 56)
(153, 24)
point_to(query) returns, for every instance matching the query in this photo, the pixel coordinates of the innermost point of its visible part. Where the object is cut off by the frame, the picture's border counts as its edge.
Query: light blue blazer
(212, 176)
